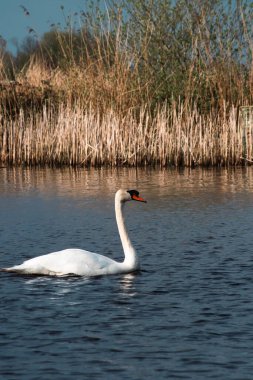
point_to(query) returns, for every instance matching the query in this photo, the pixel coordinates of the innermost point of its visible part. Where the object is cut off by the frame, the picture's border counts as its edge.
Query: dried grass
(72, 136)
(100, 111)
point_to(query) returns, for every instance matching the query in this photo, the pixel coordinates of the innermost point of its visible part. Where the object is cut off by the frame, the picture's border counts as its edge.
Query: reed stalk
(72, 136)
(160, 88)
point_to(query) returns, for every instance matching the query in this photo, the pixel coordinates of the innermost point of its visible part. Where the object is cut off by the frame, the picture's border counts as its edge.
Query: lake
(187, 315)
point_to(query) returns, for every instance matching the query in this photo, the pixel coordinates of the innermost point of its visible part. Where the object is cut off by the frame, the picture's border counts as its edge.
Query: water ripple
(186, 315)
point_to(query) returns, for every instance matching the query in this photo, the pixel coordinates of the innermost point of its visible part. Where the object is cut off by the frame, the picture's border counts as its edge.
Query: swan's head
(129, 195)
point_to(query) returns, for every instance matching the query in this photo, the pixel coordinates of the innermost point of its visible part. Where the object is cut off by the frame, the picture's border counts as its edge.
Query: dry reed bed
(72, 136)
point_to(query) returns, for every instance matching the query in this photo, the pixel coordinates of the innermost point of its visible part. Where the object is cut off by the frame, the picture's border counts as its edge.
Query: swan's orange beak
(137, 198)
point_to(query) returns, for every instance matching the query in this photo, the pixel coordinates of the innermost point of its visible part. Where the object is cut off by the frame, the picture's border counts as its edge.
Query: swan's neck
(131, 259)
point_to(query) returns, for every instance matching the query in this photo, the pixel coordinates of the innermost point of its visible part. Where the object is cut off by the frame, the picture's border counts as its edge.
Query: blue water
(187, 315)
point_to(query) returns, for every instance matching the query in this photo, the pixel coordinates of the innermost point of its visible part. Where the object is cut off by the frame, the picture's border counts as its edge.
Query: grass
(110, 104)
(70, 135)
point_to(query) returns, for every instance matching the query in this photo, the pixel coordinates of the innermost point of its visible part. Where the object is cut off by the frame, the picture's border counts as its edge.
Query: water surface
(187, 315)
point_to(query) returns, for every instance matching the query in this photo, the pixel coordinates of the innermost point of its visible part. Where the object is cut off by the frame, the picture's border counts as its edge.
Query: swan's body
(85, 263)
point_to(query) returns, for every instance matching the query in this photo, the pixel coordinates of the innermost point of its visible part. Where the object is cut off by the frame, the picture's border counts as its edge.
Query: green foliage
(199, 51)
(28, 48)
(6, 61)
(195, 50)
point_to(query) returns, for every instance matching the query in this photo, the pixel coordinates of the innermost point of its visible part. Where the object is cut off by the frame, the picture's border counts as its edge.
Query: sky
(15, 23)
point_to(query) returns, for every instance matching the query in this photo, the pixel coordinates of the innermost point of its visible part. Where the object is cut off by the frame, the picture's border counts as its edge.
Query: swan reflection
(127, 284)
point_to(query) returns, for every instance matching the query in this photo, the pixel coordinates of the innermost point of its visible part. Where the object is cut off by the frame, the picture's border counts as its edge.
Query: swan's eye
(133, 192)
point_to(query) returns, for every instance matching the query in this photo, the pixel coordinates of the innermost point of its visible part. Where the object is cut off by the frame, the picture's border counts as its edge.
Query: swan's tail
(11, 269)
(19, 269)
(15, 269)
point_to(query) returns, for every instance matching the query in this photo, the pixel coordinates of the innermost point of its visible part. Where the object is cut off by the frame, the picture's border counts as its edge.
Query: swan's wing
(68, 261)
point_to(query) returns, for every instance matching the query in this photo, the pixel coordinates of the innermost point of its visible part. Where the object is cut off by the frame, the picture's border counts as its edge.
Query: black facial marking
(133, 192)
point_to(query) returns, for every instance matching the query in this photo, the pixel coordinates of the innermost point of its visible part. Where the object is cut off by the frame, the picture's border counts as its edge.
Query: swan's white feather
(85, 263)
(69, 261)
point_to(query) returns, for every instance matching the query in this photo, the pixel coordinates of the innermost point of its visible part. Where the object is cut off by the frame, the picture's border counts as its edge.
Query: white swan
(85, 263)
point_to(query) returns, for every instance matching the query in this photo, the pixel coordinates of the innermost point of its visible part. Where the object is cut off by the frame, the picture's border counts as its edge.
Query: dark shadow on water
(70, 275)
